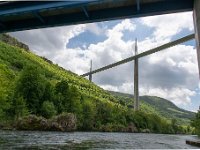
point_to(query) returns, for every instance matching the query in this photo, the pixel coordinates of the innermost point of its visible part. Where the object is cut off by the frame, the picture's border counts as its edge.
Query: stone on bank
(63, 122)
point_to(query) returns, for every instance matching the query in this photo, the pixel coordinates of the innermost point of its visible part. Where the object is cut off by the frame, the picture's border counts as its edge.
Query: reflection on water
(90, 140)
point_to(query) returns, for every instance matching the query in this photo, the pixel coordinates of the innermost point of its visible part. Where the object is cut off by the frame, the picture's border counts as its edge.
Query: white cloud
(169, 25)
(179, 96)
(176, 95)
(110, 87)
(69, 34)
(180, 56)
(94, 28)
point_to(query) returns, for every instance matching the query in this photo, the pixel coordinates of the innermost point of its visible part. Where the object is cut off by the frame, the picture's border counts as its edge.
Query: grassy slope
(13, 60)
(157, 105)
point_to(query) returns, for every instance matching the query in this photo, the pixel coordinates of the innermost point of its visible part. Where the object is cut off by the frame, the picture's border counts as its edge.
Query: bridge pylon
(90, 75)
(136, 90)
(196, 18)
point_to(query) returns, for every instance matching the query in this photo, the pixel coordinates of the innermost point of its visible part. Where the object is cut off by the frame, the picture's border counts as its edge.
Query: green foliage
(48, 109)
(174, 125)
(196, 123)
(88, 114)
(62, 96)
(20, 108)
(158, 106)
(31, 84)
(62, 88)
(73, 104)
(48, 92)
(31, 87)
(4, 105)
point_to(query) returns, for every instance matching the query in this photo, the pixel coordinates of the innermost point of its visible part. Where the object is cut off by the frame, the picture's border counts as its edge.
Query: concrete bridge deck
(23, 15)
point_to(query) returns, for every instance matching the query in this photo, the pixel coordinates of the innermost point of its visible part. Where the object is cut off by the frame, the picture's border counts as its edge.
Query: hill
(33, 85)
(13, 60)
(158, 105)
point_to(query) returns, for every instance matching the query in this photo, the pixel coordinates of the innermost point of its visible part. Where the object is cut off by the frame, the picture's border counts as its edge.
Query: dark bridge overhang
(16, 16)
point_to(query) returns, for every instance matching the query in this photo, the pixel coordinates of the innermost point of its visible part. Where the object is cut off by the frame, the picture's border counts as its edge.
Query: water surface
(91, 140)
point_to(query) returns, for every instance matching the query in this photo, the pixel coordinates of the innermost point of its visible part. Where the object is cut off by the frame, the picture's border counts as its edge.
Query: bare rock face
(32, 122)
(12, 41)
(66, 121)
(146, 131)
(63, 122)
(132, 128)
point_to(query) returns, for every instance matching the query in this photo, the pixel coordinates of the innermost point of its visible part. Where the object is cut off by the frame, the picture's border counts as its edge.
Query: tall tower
(90, 75)
(136, 92)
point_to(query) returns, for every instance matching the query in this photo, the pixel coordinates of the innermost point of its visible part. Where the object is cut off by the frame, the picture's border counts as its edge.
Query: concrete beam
(196, 16)
(146, 53)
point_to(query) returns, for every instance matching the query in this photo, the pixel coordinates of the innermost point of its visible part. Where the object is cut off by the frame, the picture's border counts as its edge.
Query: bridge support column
(136, 93)
(196, 17)
(90, 75)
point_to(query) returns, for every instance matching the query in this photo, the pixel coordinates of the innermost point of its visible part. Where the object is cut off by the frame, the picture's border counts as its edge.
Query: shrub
(48, 109)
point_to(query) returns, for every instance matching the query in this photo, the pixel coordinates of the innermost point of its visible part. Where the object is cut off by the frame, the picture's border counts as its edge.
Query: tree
(74, 105)
(67, 99)
(88, 114)
(104, 113)
(62, 96)
(4, 105)
(48, 109)
(48, 92)
(20, 108)
(62, 87)
(31, 87)
(174, 125)
(196, 123)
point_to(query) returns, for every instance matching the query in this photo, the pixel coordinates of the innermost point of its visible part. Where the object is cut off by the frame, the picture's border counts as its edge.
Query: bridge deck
(16, 16)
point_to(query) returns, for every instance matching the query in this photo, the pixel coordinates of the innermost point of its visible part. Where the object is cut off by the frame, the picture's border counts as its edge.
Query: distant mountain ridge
(163, 106)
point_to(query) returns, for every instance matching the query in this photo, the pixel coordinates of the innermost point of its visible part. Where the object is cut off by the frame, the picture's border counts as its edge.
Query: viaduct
(25, 15)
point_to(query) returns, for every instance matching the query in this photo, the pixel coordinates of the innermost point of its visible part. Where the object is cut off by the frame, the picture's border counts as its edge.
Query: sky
(171, 74)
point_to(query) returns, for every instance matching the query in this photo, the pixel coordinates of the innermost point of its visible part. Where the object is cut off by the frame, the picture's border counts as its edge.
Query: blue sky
(171, 74)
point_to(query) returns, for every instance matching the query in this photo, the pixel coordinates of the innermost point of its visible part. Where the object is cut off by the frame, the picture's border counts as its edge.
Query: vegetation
(33, 85)
(196, 123)
(157, 105)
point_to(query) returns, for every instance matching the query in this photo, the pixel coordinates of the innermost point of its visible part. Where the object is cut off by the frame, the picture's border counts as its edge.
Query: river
(91, 140)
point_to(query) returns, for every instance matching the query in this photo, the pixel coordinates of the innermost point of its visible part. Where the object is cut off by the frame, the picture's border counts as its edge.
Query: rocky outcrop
(131, 128)
(32, 122)
(63, 122)
(12, 41)
(145, 131)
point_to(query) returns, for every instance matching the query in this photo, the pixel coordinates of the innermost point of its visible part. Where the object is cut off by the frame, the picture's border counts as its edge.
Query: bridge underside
(16, 16)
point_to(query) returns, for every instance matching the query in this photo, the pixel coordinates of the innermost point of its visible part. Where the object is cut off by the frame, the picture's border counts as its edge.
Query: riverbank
(66, 122)
(63, 122)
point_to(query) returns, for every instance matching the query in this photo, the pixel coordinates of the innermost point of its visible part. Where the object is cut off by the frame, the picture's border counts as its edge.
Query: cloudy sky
(171, 74)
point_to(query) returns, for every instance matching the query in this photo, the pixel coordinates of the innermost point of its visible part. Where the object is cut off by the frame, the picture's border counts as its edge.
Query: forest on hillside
(33, 94)
(34, 86)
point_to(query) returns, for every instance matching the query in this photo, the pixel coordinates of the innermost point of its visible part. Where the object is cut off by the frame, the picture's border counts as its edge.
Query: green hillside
(157, 105)
(30, 84)
(14, 59)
